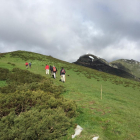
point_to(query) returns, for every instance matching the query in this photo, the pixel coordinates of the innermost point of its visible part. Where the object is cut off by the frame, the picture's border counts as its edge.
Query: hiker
(47, 69)
(62, 74)
(30, 63)
(54, 71)
(26, 64)
(51, 69)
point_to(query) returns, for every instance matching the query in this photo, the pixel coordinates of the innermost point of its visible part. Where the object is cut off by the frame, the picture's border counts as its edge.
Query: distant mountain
(131, 66)
(92, 61)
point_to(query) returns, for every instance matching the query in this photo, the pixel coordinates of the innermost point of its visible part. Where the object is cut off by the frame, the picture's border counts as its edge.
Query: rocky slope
(131, 66)
(100, 64)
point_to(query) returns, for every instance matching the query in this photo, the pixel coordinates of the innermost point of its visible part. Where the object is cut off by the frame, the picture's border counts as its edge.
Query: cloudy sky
(67, 29)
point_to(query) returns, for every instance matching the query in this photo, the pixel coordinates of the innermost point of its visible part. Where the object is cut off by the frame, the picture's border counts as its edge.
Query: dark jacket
(62, 72)
(51, 68)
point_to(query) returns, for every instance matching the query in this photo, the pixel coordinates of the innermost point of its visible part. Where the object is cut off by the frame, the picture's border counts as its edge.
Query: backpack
(54, 68)
(63, 71)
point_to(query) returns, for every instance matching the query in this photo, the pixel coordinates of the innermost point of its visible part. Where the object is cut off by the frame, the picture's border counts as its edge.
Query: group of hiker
(53, 70)
(28, 64)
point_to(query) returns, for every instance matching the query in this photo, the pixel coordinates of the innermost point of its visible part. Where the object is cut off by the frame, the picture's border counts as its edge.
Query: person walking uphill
(26, 64)
(62, 74)
(54, 71)
(51, 69)
(30, 63)
(47, 69)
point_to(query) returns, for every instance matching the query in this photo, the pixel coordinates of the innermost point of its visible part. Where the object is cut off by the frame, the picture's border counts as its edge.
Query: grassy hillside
(130, 66)
(115, 116)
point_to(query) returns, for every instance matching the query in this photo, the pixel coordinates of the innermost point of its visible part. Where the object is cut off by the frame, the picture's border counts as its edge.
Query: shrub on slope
(3, 73)
(2, 55)
(34, 124)
(34, 108)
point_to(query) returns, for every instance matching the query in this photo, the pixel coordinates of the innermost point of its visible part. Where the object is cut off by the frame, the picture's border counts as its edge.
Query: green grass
(115, 117)
(2, 83)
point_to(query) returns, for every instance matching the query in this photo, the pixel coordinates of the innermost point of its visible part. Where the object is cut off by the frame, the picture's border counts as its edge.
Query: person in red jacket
(47, 69)
(54, 71)
(26, 64)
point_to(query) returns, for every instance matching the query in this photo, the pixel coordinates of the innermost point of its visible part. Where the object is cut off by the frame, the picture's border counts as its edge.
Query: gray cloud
(68, 29)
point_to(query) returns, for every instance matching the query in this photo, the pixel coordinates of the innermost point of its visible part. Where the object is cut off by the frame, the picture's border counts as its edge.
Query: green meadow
(102, 104)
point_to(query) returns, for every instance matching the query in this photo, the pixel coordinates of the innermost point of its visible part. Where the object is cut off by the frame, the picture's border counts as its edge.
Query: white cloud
(68, 29)
(125, 49)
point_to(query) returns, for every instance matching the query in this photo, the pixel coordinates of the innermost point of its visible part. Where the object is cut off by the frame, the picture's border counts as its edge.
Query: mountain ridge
(115, 67)
(131, 66)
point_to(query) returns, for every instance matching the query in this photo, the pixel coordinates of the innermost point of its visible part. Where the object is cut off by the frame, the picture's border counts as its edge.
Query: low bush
(27, 55)
(34, 124)
(10, 88)
(18, 77)
(23, 76)
(21, 101)
(3, 73)
(2, 55)
(11, 63)
(31, 107)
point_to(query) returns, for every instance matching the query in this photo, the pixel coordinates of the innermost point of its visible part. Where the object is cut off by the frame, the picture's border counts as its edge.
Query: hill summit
(131, 66)
(100, 64)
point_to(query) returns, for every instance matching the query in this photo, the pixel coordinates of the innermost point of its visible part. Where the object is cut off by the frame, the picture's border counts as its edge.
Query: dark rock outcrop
(100, 64)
